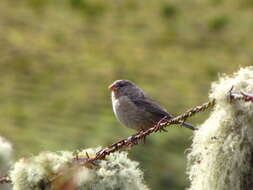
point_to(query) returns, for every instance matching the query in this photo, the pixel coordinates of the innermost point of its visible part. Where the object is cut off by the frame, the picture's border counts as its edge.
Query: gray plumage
(134, 109)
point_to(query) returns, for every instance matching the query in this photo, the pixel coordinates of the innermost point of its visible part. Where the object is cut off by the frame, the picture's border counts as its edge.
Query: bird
(134, 109)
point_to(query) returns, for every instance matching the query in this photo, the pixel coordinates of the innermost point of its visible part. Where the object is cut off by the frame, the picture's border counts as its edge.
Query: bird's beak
(112, 87)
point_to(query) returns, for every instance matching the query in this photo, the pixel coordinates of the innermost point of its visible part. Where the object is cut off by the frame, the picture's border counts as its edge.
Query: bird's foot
(144, 138)
(162, 130)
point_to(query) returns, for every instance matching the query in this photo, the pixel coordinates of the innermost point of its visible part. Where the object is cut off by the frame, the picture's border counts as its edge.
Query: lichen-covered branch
(6, 161)
(222, 151)
(59, 171)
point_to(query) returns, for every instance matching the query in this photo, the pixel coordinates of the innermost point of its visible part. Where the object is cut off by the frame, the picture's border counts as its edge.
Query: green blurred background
(58, 57)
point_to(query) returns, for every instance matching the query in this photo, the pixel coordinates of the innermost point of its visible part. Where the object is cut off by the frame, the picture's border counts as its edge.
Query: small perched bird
(134, 109)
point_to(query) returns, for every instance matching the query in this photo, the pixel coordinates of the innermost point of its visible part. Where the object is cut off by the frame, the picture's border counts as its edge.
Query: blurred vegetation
(58, 57)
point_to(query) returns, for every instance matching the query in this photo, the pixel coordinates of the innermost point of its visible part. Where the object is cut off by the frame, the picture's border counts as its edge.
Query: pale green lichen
(32, 173)
(119, 172)
(222, 151)
(6, 152)
(6, 160)
(116, 172)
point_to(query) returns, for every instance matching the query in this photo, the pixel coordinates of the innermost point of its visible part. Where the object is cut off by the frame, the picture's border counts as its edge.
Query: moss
(221, 154)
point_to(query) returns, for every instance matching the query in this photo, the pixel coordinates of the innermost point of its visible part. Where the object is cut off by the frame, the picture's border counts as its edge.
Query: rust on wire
(240, 96)
(141, 135)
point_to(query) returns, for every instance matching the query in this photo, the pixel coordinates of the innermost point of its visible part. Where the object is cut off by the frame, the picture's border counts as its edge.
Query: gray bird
(134, 109)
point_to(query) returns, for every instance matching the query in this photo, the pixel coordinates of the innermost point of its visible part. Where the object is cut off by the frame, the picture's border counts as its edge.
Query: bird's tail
(188, 126)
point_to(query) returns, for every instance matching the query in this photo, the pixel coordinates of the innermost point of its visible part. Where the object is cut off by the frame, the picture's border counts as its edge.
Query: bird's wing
(156, 111)
(150, 106)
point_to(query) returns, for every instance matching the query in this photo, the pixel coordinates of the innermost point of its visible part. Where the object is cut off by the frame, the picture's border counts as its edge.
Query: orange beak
(112, 87)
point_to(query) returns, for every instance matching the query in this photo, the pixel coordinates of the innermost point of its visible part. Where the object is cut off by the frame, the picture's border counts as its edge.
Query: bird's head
(124, 88)
(120, 84)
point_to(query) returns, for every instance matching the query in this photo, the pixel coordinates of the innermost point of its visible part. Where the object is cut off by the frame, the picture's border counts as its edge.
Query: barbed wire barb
(240, 96)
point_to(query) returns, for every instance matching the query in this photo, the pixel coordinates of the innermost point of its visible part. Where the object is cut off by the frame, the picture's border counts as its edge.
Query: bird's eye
(121, 85)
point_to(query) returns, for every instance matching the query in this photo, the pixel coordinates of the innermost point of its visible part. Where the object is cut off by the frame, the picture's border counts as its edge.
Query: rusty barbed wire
(160, 126)
(134, 139)
(241, 96)
(141, 135)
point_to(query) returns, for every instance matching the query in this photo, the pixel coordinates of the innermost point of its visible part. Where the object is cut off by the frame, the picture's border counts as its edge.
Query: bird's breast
(128, 113)
(115, 103)
(122, 106)
(124, 110)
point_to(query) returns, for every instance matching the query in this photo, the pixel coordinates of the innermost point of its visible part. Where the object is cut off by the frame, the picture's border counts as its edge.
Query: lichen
(6, 152)
(222, 150)
(62, 171)
(6, 159)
